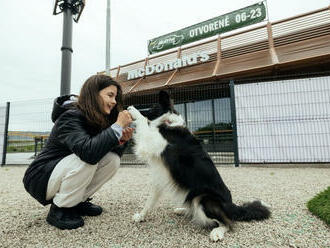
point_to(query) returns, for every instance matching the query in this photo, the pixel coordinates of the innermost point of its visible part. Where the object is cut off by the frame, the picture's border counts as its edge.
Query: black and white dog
(180, 165)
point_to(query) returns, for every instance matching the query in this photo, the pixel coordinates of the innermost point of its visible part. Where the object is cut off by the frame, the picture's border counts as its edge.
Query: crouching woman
(82, 153)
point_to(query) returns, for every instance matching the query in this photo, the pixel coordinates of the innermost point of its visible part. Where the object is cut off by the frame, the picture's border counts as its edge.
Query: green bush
(320, 205)
(217, 126)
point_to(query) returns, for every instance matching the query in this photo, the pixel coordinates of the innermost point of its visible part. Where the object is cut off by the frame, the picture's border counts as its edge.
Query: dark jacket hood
(62, 104)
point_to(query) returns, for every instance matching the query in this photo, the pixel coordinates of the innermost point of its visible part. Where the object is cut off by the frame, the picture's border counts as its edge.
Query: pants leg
(106, 169)
(73, 180)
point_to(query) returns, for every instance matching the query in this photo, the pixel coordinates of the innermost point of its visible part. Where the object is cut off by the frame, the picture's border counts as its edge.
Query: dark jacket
(71, 134)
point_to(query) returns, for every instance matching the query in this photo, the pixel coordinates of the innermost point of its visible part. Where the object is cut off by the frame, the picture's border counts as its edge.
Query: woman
(82, 153)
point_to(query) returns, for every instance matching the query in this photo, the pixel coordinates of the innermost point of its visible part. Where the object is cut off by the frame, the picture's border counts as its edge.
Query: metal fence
(29, 125)
(284, 121)
(207, 113)
(247, 121)
(3, 135)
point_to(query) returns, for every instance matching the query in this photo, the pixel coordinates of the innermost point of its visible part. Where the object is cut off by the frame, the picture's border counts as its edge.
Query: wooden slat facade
(295, 43)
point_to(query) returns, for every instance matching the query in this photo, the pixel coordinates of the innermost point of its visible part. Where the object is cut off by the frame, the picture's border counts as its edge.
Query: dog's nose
(132, 125)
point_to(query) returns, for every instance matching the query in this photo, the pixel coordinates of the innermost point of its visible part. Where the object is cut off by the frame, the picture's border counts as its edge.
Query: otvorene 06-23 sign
(237, 19)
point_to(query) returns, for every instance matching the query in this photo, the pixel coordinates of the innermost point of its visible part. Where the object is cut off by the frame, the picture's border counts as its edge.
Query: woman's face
(108, 96)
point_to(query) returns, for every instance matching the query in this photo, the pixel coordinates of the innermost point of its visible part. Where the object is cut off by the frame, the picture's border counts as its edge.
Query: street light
(71, 9)
(76, 6)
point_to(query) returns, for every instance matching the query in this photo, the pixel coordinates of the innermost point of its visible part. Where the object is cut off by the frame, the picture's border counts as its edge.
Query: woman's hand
(127, 134)
(124, 119)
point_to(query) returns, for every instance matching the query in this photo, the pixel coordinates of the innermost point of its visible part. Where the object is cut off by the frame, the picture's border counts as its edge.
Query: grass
(320, 205)
(22, 148)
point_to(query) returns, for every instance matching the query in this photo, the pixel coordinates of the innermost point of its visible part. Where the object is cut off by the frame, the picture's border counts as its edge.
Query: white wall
(284, 121)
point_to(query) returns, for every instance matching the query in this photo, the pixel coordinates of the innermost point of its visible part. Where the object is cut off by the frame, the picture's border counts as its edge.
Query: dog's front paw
(217, 234)
(134, 113)
(265, 204)
(138, 218)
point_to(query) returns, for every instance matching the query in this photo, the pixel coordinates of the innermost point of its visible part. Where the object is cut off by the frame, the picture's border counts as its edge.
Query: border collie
(180, 165)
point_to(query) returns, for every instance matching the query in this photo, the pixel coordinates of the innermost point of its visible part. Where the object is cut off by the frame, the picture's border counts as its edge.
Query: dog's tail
(247, 212)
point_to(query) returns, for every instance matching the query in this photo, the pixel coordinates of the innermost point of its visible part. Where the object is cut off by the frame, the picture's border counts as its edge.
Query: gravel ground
(22, 219)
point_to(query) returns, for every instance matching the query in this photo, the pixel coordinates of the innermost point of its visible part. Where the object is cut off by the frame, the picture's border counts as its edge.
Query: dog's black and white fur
(180, 165)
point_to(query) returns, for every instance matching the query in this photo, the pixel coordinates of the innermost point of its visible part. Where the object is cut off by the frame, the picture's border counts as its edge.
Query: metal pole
(35, 146)
(108, 29)
(5, 139)
(185, 113)
(233, 119)
(213, 125)
(66, 50)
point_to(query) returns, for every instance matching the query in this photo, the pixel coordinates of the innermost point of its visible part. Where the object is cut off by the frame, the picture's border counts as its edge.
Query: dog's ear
(165, 100)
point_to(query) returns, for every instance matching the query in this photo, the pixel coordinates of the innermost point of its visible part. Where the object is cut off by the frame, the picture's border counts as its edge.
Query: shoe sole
(63, 226)
(90, 214)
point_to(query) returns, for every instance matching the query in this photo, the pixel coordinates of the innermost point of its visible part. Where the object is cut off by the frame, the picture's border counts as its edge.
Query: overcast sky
(31, 37)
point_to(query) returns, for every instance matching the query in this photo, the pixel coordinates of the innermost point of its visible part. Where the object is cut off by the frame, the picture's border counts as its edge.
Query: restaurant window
(199, 115)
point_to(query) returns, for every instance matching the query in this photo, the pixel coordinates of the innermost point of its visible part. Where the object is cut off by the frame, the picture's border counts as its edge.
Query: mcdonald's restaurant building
(262, 94)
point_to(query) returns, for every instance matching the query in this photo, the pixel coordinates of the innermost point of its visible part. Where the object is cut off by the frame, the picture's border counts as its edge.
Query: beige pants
(73, 181)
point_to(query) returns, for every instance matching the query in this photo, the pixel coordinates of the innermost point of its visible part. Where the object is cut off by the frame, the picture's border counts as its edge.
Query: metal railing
(278, 121)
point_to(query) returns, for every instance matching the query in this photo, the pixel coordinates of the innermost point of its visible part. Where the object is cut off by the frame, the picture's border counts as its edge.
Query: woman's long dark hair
(90, 102)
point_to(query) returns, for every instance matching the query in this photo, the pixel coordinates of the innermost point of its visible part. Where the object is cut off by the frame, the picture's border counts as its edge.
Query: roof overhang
(292, 43)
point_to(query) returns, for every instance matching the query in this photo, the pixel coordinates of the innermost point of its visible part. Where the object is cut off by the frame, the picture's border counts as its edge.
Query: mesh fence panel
(284, 121)
(278, 121)
(29, 127)
(206, 110)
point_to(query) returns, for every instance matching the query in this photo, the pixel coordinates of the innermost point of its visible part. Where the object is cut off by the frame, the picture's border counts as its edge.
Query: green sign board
(224, 23)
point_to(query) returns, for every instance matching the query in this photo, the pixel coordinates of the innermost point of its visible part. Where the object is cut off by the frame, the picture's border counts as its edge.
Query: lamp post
(107, 45)
(71, 9)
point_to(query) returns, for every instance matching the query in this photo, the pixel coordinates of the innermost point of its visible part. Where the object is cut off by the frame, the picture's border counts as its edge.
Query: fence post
(185, 113)
(5, 138)
(35, 146)
(233, 119)
(213, 125)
